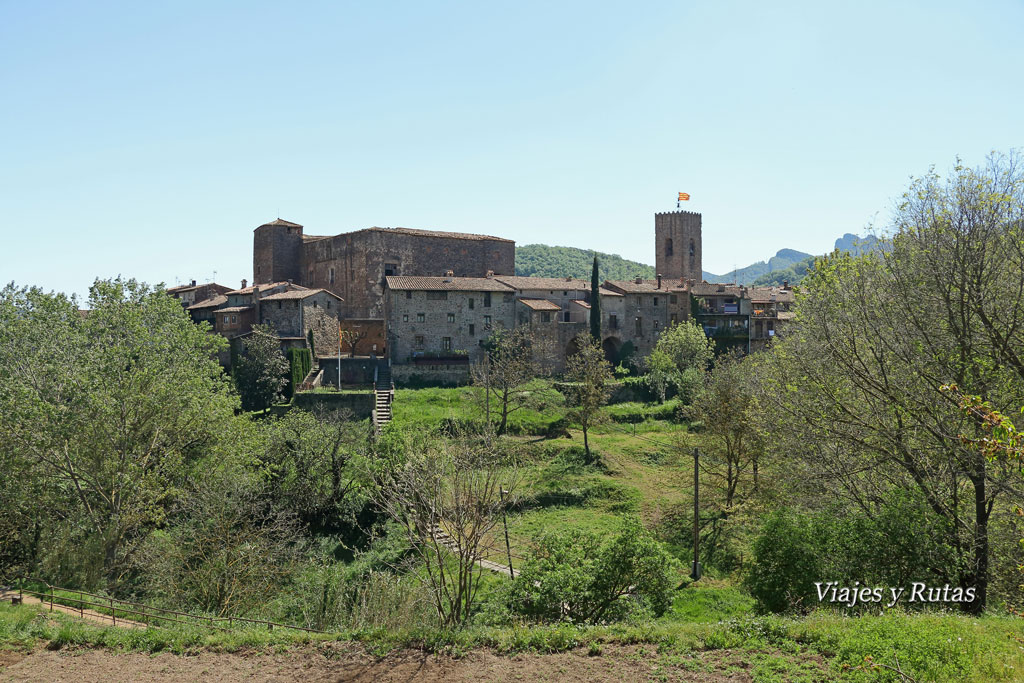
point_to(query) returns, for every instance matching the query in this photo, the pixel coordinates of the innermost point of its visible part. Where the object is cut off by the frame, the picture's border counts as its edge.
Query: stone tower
(277, 252)
(677, 245)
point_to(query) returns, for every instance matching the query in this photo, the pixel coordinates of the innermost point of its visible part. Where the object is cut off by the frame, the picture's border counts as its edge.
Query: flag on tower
(683, 197)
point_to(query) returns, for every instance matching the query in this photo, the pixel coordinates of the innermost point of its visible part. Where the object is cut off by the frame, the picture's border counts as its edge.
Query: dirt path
(348, 662)
(88, 615)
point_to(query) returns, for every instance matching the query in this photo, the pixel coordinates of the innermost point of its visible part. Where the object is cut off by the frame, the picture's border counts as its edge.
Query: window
(545, 317)
(566, 317)
(655, 301)
(296, 303)
(639, 301)
(639, 326)
(331, 276)
(668, 247)
(446, 343)
(408, 294)
(674, 319)
(655, 325)
(279, 305)
(352, 275)
(405, 318)
(227, 319)
(451, 317)
(328, 303)
(693, 250)
(418, 341)
(314, 304)
(234, 319)
(487, 299)
(487, 322)
(471, 303)
(390, 269)
(420, 317)
(565, 293)
(472, 329)
(613, 321)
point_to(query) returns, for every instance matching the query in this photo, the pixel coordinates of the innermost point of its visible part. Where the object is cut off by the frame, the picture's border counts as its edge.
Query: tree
(589, 375)
(447, 496)
(261, 375)
(857, 389)
(572, 576)
(679, 359)
(728, 408)
(595, 303)
(352, 337)
(504, 370)
(111, 409)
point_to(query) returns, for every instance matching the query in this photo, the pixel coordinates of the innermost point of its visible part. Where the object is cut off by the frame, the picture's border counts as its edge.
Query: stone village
(422, 303)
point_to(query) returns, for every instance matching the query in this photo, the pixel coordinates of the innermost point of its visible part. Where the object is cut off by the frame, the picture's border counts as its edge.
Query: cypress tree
(595, 303)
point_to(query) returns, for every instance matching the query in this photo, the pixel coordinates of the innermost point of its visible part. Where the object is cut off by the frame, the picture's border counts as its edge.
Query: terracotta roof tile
(452, 284)
(540, 304)
(216, 301)
(642, 287)
(298, 294)
(548, 283)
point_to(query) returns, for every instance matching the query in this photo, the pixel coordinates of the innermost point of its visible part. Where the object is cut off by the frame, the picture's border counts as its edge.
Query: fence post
(51, 598)
(81, 604)
(113, 614)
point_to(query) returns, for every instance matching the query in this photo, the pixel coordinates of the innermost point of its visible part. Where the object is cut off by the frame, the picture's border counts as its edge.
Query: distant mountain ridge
(541, 260)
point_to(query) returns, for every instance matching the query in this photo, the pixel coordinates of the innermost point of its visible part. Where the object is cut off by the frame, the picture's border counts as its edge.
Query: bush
(573, 576)
(785, 564)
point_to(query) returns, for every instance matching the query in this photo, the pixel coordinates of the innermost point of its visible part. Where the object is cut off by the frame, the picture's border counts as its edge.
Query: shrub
(573, 576)
(785, 564)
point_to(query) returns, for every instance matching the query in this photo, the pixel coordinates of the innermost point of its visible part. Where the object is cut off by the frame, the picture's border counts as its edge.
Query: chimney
(245, 283)
(639, 280)
(785, 284)
(193, 283)
(449, 273)
(490, 273)
(659, 280)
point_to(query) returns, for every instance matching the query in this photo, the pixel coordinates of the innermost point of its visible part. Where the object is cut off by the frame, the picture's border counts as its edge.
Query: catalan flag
(684, 197)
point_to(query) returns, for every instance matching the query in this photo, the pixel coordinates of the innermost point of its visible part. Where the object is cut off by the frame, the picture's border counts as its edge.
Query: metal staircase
(383, 395)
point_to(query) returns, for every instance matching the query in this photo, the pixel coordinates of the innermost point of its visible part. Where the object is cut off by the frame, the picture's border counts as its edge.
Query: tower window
(693, 249)
(332, 276)
(668, 246)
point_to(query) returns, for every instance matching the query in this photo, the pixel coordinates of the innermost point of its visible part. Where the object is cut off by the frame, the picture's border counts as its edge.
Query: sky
(149, 139)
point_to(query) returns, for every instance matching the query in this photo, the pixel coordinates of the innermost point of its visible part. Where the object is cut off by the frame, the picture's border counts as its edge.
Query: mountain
(783, 259)
(540, 260)
(790, 265)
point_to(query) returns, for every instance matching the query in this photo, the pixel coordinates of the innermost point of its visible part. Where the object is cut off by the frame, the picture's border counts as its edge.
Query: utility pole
(504, 522)
(695, 574)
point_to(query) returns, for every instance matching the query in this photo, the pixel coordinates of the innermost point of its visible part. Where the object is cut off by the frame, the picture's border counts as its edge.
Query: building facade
(353, 265)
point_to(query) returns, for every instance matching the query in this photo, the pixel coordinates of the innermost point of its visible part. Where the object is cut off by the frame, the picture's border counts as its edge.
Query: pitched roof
(714, 289)
(283, 223)
(580, 302)
(768, 294)
(452, 284)
(216, 301)
(414, 232)
(234, 309)
(298, 294)
(642, 287)
(548, 283)
(540, 304)
(264, 285)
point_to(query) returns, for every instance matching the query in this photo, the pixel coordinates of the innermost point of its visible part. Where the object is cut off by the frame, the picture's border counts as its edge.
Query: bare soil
(350, 662)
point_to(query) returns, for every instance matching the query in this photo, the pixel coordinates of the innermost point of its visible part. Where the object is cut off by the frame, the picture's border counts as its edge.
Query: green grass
(930, 647)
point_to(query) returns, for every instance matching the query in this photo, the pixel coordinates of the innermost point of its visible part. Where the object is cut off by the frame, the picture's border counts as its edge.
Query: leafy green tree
(571, 575)
(856, 390)
(595, 303)
(262, 372)
(589, 376)
(728, 408)
(111, 409)
(680, 359)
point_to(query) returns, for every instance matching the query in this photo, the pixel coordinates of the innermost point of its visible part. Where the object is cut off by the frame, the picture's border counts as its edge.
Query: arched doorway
(611, 347)
(572, 348)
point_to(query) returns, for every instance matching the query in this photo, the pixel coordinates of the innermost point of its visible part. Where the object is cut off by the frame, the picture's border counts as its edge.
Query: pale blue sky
(149, 139)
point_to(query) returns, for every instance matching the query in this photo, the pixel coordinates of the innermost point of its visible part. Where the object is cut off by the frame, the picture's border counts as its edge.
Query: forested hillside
(540, 260)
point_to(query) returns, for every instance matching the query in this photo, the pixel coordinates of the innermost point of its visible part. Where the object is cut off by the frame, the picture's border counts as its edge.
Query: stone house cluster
(428, 300)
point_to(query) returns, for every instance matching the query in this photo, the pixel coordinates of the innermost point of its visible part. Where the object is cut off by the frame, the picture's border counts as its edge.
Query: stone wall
(360, 404)
(461, 317)
(355, 372)
(443, 374)
(277, 252)
(677, 245)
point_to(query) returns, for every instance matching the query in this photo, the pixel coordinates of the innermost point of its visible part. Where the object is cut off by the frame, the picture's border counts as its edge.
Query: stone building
(193, 293)
(444, 318)
(353, 265)
(677, 245)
